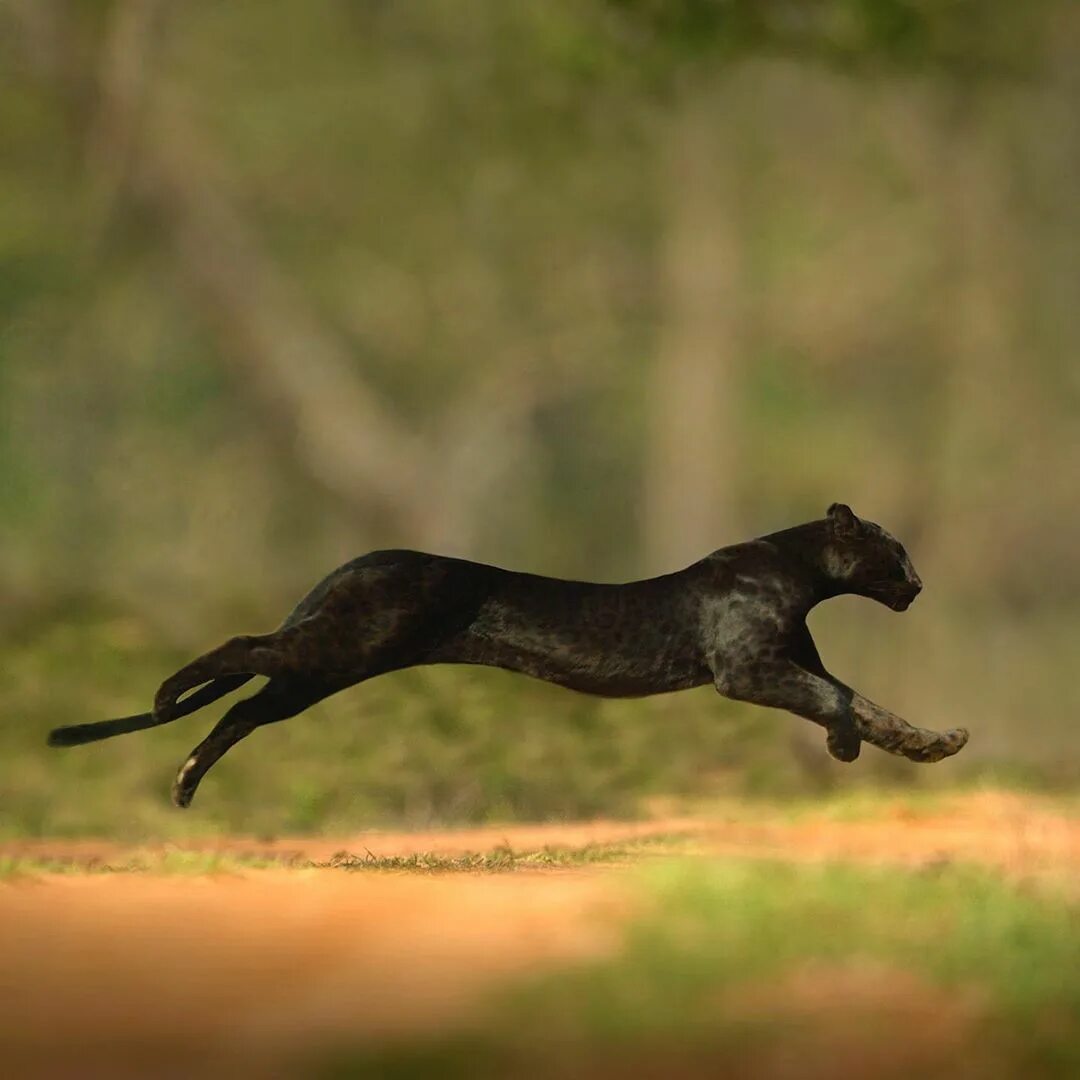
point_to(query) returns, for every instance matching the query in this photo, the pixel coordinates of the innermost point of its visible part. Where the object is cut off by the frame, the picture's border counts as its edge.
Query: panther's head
(864, 559)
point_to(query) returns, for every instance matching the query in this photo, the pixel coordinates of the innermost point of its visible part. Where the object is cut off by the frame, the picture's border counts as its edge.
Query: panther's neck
(810, 550)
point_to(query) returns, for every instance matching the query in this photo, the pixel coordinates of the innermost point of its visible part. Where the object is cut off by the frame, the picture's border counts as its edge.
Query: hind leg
(251, 654)
(280, 699)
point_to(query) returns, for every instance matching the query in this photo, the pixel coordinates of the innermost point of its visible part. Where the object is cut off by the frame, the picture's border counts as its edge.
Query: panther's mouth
(896, 599)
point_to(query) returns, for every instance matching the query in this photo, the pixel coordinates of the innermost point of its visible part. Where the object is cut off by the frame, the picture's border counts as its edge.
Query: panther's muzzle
(898, 597)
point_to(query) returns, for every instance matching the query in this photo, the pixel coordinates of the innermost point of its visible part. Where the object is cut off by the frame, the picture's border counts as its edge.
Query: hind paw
(183, 789)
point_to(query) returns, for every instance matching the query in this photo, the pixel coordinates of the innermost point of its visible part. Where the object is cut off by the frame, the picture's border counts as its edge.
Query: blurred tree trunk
(124, 80)
(432, 487)
(981, 412)
(691, 452)
(285, 360)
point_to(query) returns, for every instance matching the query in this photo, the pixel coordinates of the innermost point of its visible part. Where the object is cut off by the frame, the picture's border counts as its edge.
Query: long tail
(77, 734)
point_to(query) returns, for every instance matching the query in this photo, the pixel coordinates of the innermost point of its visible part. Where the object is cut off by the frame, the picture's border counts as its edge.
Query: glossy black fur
(736, 619)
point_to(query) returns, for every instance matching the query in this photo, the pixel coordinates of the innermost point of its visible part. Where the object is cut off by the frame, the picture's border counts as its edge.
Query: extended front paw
(945, 745)
(843, 742)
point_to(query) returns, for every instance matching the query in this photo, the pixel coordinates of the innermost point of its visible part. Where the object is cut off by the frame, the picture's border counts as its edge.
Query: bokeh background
(584, 287)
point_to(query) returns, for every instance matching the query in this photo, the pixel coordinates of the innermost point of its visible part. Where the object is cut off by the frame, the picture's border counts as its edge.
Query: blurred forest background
(584, 287)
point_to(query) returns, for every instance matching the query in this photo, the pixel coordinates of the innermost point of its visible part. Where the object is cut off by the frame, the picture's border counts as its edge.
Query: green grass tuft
(496, 860)
(504, 857)
(1004, 958)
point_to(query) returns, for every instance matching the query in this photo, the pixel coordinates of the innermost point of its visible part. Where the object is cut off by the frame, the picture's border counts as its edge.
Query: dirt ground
(246, 970)
(1005, 830)
(378, 843)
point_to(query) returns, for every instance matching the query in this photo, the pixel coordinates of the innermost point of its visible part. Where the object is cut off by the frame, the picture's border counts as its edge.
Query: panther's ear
(843, 520)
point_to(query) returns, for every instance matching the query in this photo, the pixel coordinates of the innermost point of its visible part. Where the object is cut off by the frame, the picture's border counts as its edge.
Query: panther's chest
(752, 611)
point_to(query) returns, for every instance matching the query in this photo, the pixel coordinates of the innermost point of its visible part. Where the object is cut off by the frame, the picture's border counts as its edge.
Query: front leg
(889, 732)
(876, 725)
(783, 684)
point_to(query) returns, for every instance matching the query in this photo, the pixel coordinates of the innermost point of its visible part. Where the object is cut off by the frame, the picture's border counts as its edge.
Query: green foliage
(446, 745)
(958, 38)
(439, 745)
(680, 992)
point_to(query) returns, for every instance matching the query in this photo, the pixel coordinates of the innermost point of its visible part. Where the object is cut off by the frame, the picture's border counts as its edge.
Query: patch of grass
(497, 860)
(1000, 961)
(172, 861)
(428, 746)
(415, 748)
(505, 858)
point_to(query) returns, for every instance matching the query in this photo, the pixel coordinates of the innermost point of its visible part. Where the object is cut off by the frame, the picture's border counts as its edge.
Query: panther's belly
(579, 658)
(607, 680)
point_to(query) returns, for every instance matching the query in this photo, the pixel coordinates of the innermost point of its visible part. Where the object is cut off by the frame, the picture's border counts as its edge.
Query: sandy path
(1009, 832)
(104, 969)
(376, 842)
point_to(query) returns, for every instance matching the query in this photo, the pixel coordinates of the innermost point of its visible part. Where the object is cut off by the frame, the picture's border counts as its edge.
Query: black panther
(736, 619)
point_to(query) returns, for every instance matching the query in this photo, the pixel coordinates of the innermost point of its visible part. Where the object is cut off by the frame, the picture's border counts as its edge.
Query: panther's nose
(916, 584)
